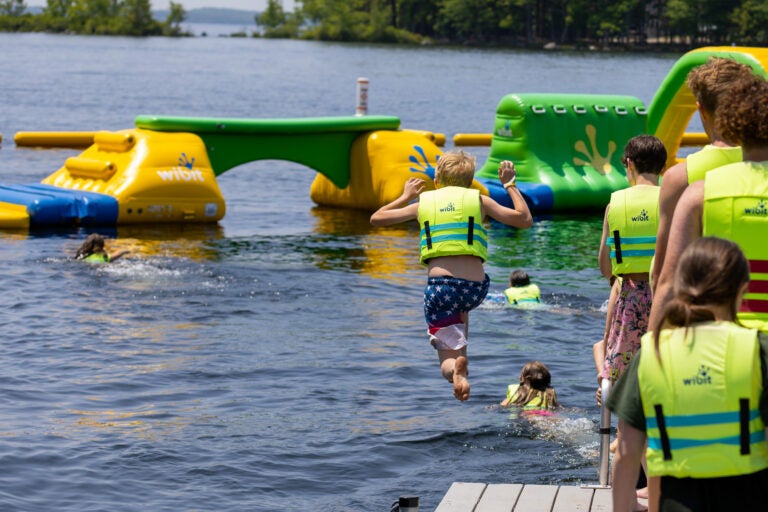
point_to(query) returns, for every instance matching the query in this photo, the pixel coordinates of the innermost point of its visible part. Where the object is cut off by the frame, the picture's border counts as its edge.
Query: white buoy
(362, 97)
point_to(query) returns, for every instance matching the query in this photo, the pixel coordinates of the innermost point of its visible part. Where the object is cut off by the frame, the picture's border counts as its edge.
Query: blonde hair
(534, 383)
(455, 169)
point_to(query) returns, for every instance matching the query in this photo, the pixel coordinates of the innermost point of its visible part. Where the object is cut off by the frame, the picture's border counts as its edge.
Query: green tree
(751, 23)
(12, 8)
(135, 18)
(273, 16)
(176, 16)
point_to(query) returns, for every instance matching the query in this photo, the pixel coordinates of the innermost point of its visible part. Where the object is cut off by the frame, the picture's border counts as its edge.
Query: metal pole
(605, 434)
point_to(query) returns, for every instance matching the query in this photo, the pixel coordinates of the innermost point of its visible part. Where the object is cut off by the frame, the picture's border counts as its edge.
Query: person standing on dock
(454, 247)
(709, 83)
(626, 248)
(697, 393)
(730, 202)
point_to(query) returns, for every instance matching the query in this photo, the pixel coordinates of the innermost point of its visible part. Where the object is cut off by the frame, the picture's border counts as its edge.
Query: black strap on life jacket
(665, 447)
(617, 243)
(427, 234)
(744, 425)
(471, 231)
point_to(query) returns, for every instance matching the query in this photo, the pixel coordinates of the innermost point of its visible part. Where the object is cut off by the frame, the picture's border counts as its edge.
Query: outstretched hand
(413, 187)
(507, 171)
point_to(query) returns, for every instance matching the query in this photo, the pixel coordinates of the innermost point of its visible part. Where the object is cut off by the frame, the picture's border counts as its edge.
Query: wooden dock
(478, 497)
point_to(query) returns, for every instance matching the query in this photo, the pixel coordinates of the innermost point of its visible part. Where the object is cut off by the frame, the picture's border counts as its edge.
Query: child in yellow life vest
(533, 392)
(93, 250)
(521, 290)
(454, 247)
(696, 393)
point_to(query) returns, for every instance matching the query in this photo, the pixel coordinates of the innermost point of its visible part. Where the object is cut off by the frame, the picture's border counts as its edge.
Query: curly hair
(455, 168)
(711, 82)
(711, 272)
(742, 116)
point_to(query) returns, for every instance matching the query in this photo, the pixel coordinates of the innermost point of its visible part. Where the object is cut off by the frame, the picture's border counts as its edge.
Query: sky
(248, 5)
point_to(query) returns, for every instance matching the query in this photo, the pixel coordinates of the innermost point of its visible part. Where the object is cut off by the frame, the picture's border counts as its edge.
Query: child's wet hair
(92, 244)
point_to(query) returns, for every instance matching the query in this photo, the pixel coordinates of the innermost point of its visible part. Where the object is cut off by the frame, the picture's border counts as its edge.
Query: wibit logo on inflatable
(642, 217)
(506, 130)
(701, 378)
(185, 171)
(602, 164)
(758, 209)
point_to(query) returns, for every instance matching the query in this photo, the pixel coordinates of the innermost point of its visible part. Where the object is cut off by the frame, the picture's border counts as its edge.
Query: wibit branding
(759, 209)
(506, 130)
(185, 171)
(641, 217)
(701, 378)
(448, 208)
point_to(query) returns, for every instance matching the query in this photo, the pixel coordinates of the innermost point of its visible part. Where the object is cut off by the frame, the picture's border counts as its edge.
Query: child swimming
(92, 250)
(533, 392)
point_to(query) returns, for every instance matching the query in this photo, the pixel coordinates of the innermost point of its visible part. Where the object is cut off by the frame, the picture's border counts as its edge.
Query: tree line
(529, 23)
(96, 17)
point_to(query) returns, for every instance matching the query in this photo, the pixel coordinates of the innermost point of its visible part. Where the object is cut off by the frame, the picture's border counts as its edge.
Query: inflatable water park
(566, 148)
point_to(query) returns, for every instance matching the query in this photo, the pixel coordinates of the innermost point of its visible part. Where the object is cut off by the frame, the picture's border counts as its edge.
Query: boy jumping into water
(454, 247)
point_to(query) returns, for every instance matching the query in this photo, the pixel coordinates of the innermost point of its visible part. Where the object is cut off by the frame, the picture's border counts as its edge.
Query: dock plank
(536, 498)
(573, 499)
(461, 497)
(479, 497)
(499, 498)
(602, 501)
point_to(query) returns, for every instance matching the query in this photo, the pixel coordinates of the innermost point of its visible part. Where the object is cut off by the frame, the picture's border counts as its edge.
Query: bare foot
(642, 493)
(460, 382)
(639, 507)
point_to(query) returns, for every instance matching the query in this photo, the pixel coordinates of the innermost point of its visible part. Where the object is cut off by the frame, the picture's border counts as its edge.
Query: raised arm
(673, 185)
(401, 209)
(520, 216)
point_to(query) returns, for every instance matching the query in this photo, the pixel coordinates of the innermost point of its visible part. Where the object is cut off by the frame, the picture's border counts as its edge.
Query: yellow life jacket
(97, 257)
(701, 401)
(710, 157)
(521, 294)
(633, 218)
(451, 223)
(538, 402)
(736, 208)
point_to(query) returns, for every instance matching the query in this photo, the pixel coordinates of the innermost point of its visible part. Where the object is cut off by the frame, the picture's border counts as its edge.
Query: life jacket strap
(663, 435)
(471, 230)
(617, 243)
(744, 438)
(427, 234)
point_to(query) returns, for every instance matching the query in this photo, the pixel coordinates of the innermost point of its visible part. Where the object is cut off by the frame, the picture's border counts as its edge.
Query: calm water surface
(278, 360)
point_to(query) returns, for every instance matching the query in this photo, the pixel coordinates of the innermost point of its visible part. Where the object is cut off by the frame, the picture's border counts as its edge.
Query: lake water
(278, 360)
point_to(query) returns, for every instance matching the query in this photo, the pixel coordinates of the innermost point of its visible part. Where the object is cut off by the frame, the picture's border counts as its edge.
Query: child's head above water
(455, 169)
(94, 243)
(534, 390)
(519, 278)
